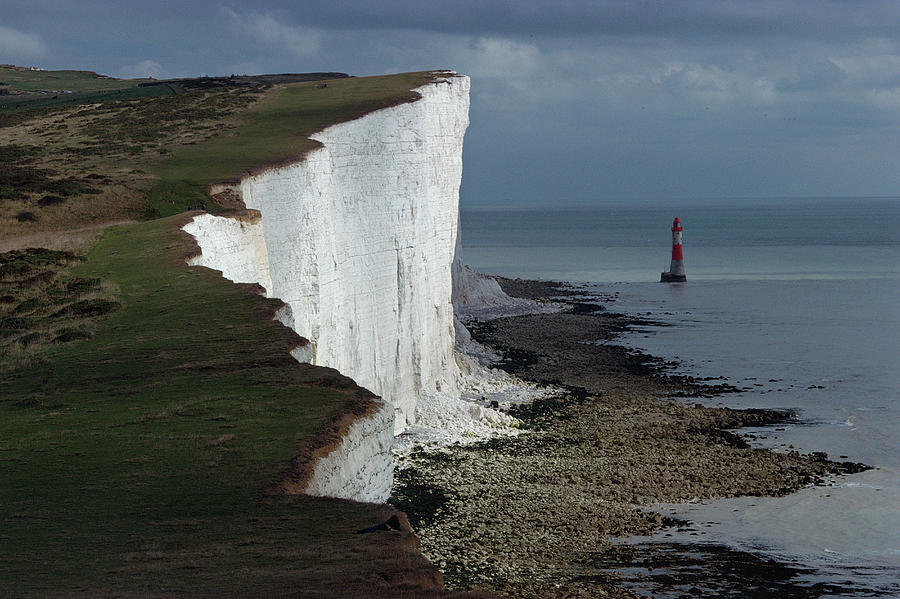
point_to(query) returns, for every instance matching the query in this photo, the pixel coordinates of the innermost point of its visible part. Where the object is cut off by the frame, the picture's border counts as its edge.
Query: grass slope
(40, 308)
(62, 100)
(97, 161)
(24, 79)
(144, 153)
(137, 462)
(24, 88)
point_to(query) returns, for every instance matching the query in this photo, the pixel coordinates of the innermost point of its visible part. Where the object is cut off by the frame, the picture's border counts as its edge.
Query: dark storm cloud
(675, 20)
(718, 18)
(821, 20)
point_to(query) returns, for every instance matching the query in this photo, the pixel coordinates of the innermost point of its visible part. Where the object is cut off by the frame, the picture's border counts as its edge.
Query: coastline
(536, 515)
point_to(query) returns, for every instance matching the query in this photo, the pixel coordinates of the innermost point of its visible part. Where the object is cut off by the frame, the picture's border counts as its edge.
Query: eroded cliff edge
(358, 239)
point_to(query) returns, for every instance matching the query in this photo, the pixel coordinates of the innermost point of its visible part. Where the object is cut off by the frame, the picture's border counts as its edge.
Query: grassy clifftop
(138, 456)
(107, 158)
(24, 80)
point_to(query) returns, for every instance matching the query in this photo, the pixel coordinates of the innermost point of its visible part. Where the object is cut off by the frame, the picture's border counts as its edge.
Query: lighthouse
(675, 274)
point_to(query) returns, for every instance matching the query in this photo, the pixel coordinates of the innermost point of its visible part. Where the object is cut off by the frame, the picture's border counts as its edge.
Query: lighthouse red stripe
(676, 252)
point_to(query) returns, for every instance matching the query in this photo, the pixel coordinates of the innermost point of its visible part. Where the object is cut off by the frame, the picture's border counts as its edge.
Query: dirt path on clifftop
(531, 516)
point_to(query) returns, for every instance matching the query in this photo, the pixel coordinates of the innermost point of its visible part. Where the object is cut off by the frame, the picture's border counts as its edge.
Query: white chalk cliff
(358, 239)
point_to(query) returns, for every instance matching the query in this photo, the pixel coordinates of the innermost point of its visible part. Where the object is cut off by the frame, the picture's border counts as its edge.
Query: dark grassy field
(39, 308)
(12, 104)
(24, 79)
(22, 88)
(138, 461)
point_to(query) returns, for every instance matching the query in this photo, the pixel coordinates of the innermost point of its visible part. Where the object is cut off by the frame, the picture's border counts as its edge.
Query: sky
(574, 103)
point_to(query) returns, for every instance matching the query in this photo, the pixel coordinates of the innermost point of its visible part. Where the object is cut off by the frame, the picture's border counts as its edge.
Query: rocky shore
(536, 515)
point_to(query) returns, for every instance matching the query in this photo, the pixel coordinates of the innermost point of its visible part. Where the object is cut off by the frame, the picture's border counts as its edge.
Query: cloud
(145, 68)
(511, 72)
(713, 83)
(497, 57)
(271, 30)
(17, 45)
(871, 71)
(722, 20)
(813, 75)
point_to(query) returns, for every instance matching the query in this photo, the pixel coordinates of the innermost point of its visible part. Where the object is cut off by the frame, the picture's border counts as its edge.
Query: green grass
(38, 308)
(191, 140)
(26, 80)
(11, 104)
(138, 462)
(276, 130)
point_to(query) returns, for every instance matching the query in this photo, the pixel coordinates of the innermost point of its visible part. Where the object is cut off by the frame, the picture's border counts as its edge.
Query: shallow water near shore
(830, 354)
(798, 303)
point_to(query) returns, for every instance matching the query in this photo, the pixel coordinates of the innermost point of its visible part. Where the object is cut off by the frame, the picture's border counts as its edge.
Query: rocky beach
(541, 514)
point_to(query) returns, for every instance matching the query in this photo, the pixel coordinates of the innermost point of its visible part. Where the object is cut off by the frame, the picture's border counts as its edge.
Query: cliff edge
(358, 239)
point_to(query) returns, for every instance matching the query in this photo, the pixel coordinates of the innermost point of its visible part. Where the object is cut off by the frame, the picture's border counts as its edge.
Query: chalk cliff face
(358, 239)
(360, 468)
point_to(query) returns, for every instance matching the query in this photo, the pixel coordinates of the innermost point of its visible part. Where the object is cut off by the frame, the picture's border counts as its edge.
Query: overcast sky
(572, 101)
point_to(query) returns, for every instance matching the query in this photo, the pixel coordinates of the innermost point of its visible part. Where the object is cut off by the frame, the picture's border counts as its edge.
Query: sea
(794, 300)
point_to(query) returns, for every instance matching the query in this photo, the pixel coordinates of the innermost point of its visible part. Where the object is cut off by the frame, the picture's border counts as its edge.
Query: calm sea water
(798, 302)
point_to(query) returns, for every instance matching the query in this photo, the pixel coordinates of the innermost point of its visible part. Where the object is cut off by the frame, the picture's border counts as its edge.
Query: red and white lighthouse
(675, 274)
